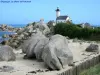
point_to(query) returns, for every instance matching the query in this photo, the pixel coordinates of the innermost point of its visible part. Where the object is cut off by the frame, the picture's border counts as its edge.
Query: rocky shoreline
(56, 51)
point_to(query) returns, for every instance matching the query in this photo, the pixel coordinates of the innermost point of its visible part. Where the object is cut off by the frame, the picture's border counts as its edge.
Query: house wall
(68, 19)
(59, 21)
(64, 21)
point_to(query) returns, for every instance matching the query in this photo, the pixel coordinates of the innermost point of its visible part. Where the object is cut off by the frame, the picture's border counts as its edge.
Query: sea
(17, 25)
(10, 33)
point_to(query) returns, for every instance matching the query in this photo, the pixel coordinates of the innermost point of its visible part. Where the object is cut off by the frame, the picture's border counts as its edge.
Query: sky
(79, 11)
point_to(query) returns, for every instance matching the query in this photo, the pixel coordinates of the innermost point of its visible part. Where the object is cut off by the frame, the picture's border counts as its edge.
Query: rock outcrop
(26, 32)
(34, 46)
(4, 27)
(43, 28)
(33, 40)
(6, 53)
(92, 48)
(56, 53)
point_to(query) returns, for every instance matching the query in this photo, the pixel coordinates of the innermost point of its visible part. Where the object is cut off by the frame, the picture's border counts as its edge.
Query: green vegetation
(92, 71)
(76, 31)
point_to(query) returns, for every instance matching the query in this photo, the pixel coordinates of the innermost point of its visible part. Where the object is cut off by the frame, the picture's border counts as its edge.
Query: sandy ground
(24, 67)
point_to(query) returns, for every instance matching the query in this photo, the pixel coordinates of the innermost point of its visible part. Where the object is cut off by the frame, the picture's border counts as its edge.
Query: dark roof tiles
(61, 18)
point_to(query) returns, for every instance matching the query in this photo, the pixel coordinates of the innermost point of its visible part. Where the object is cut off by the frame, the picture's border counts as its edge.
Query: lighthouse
(61, 18)
(57, 12)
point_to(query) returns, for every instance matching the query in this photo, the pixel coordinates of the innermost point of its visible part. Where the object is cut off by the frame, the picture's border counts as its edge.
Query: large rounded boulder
(26, 43)
(38, 49)
(34, 45)
(6, 53)
(56, 53)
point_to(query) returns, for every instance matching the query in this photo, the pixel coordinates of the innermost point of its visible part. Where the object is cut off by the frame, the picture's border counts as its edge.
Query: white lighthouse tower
(57, 12)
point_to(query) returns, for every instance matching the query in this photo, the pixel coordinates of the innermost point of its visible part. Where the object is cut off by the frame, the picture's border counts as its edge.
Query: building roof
(62, 18)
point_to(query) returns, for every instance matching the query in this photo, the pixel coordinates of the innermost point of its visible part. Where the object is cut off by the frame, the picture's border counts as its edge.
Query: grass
(92, 71)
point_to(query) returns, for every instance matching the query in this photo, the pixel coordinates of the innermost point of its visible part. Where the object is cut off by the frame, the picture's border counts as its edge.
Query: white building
(86, 25)
(60, 18)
